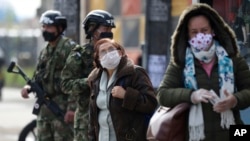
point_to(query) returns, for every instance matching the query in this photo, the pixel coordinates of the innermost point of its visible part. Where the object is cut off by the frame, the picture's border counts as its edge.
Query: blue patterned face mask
(201, 41)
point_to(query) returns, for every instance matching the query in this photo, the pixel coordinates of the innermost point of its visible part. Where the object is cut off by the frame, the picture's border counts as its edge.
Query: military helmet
(98, 17)
(54, 17)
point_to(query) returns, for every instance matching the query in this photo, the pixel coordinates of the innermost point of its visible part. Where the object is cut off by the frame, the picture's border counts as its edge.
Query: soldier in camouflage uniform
(97, 24)
(51, 61)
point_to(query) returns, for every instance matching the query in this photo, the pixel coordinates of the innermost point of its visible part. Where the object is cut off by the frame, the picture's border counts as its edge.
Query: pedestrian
(239, 28)
(51, 61)
(122, 96)
(97, 24)
(206, 71)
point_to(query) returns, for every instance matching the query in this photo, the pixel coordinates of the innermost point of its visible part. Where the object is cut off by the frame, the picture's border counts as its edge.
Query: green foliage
(16, 80)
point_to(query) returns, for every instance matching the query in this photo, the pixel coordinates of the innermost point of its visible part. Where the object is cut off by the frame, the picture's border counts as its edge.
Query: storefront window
(237, 14)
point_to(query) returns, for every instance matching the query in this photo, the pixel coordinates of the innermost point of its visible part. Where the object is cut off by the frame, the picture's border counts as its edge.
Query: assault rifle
(40, 94)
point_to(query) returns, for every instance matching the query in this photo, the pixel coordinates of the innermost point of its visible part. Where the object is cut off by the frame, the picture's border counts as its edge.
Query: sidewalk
(15, 113)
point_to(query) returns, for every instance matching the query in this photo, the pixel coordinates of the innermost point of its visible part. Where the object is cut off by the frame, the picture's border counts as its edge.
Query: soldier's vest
(50, 65)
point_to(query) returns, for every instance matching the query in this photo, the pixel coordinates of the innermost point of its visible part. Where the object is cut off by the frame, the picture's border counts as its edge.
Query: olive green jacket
(172, 90)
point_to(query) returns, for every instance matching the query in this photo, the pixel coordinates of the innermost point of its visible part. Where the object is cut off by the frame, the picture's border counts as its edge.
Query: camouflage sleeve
(35, 71)
(71, 103)
(39, 66)
(71, 99)
(76, 70)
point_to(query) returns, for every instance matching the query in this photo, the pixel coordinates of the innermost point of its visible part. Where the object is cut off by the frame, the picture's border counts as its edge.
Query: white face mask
(201, 41)
(110, 60)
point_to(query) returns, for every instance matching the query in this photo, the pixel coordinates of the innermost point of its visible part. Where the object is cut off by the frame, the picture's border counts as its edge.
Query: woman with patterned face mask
(206, 71)
(122, 97)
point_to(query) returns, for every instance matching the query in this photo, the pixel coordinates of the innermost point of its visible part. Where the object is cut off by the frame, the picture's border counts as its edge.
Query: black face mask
(48, 36)
(106, 35)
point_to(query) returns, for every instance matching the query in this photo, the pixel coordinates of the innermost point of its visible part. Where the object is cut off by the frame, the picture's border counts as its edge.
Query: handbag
(169, 124)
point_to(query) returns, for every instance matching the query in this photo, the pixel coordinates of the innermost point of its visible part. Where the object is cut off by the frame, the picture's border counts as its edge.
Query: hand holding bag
(169, 124)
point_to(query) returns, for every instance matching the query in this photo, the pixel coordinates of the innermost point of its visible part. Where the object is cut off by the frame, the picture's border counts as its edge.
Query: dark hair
(103, 41)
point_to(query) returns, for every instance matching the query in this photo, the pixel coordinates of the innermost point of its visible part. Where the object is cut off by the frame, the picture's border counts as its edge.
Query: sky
(25, 9)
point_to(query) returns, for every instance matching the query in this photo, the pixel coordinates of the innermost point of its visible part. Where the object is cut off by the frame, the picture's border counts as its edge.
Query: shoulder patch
(83, 48)
(77, 48)
(72, 42)
(77, 54)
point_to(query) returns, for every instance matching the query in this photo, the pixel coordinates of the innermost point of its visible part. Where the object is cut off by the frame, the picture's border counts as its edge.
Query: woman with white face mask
(206, 71)
(122, 96)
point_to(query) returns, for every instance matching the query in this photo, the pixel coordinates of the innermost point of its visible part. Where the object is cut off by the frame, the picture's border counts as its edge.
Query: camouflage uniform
(50, 64)
(74, 81)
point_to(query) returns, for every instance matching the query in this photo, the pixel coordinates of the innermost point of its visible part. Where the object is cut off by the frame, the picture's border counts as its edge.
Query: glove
(215, 99)
(201, 95)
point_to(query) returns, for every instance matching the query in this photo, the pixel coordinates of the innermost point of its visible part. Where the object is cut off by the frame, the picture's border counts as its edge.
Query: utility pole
(71, 10)
(156, 49)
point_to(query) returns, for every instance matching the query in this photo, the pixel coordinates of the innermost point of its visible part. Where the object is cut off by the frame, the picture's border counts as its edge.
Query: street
(15, 113)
